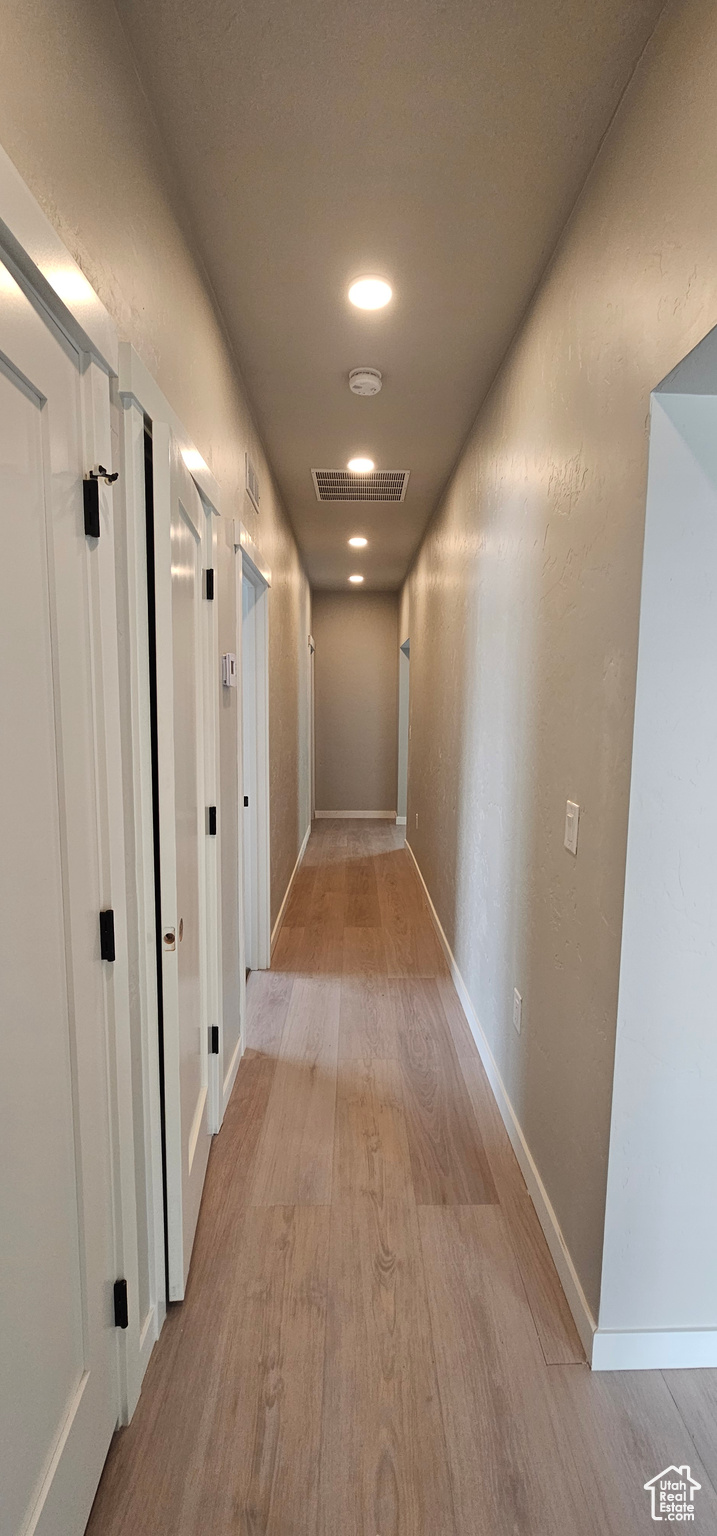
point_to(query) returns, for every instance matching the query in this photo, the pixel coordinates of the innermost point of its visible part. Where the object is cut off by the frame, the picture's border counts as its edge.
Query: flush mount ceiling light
(356, 578)
(358, 542)
(360, 466)
(370, 293)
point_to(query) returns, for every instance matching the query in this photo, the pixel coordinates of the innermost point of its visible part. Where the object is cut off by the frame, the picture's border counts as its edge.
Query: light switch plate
(572, 818)
(517, 1010)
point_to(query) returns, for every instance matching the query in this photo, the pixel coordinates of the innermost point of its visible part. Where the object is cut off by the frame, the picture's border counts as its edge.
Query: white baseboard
(287, 892)
(576, 1299)
(354, 815)
(400, 821)
(230, 1075)
(654, 1349)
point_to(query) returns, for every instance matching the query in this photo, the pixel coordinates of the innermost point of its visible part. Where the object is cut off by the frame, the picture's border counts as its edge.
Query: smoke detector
(365, 381)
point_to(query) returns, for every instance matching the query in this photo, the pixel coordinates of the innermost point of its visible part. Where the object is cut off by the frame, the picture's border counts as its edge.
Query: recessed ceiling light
(358, 542)
(360, 466)
(356, 578)
(370, 293)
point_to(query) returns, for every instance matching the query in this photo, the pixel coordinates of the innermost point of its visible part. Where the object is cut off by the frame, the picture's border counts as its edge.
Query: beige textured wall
(75, 122)
(356, 685)
(522, 610)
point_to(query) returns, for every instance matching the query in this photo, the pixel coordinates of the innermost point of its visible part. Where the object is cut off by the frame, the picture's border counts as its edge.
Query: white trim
(280, 915)
(243, 540)
(658, 1349)
(131, 568)
(35, 249)
(258, 952)
(233, 1068)
(575, 1296)
(137, 381)
(355, 815)
(400, 821)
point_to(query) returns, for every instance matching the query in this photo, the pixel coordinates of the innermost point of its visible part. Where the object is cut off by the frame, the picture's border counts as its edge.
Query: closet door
(58, 1404)
(185, 705)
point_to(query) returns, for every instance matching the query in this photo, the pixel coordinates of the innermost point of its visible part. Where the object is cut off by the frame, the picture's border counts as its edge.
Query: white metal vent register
(344, 485)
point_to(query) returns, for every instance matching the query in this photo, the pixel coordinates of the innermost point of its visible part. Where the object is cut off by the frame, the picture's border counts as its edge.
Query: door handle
(169, 938)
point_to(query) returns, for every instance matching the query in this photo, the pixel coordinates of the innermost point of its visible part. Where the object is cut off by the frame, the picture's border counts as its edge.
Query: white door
(182, 552)
(58, 1355)
(249, 856)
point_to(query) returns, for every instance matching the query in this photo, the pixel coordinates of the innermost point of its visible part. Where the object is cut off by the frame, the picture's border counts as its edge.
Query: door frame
(168, 462)
(141, 396)
(252, 565)
(35, 253)
(312, 730)
(404, 729)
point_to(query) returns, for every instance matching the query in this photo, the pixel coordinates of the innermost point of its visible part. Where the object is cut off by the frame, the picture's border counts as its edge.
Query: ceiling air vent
(252, 482)
(342, 485)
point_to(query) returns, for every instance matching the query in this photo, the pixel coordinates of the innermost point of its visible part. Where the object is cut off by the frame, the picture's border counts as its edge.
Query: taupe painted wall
(75, 122)
(356, 691)
(523, 612)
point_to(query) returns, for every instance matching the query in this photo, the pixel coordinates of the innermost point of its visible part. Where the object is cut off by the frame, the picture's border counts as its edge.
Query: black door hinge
(121, 1304)
(214, 1040)
(209, 583)
(91, 498)
(246, 799)
(211, 821)
(107, 935)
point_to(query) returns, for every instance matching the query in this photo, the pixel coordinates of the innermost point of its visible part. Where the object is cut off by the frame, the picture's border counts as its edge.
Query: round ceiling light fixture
(360, 466)
(358, 542)
(370, 293)
(365, 381)
(356, 579)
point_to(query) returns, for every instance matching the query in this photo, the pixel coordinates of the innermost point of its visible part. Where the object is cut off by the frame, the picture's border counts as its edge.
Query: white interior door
(181, 536)
(249, 849)
(58, 1405)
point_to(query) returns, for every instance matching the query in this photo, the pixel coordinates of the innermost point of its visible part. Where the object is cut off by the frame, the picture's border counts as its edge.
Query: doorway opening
(255, 765)
(404, 730)
(658, 1302)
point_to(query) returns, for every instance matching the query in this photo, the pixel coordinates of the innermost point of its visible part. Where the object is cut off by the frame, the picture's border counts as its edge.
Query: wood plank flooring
(374, 1340)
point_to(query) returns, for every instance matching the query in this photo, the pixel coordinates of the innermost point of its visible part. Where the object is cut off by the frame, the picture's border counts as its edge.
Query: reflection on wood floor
(374, 1340)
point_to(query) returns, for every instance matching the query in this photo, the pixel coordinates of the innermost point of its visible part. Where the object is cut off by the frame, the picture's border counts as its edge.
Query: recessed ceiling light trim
(360, 466)
(358, 541)
(342, 485)
(356, 580)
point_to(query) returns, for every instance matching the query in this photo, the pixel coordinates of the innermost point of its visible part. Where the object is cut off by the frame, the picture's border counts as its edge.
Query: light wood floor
(374, 1340)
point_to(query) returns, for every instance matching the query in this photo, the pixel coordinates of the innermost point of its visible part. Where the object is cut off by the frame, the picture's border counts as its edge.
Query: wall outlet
(572, 818)
(517, 1010)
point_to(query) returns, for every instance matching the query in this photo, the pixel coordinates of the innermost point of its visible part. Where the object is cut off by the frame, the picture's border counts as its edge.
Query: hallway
(374, 1339)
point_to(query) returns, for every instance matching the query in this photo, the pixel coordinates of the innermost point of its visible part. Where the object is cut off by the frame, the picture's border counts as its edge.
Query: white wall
(356, 683)
(523, 608)
(660, 1257)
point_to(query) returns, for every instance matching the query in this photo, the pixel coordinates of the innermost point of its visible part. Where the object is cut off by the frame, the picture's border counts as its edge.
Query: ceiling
(439, 143)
